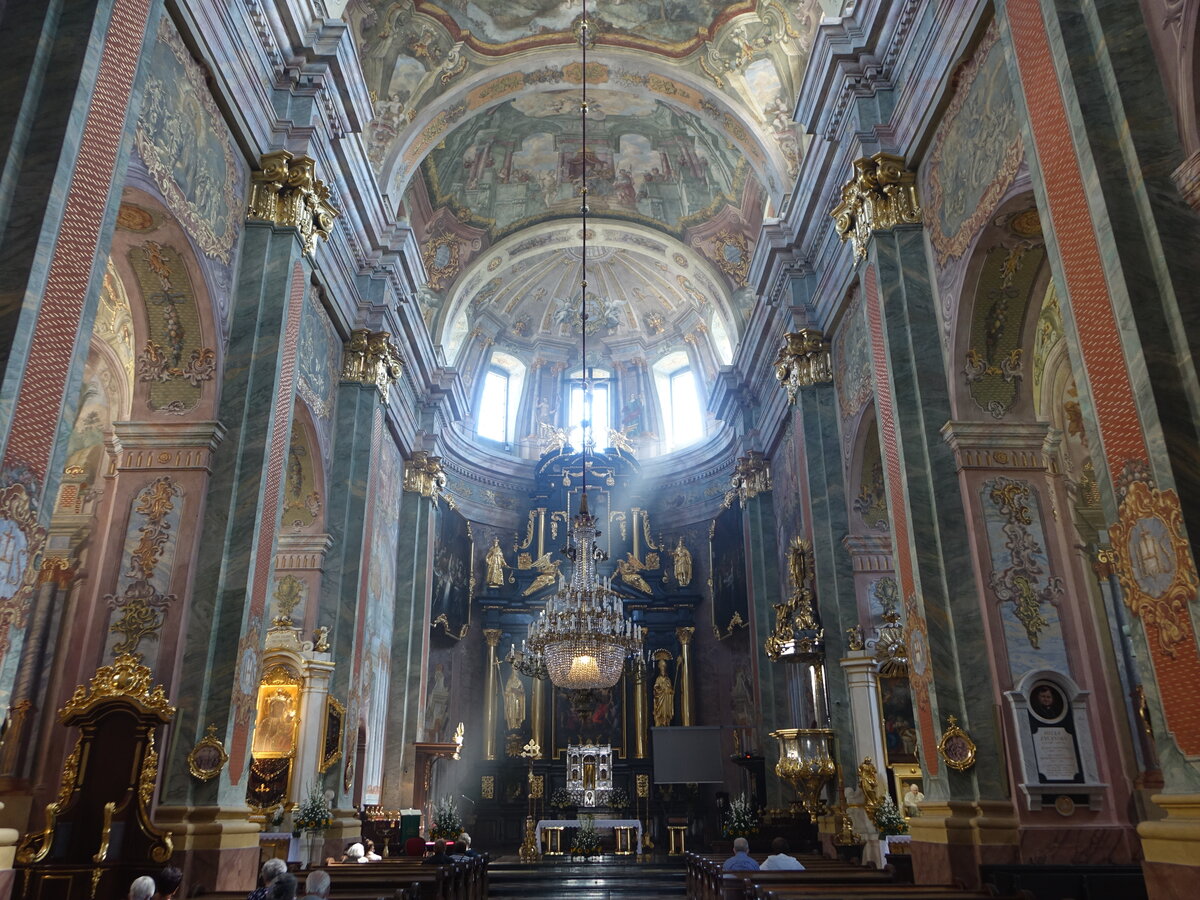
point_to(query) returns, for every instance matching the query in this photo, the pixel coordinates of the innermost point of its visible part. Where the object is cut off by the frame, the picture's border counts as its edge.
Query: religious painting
(182, 138)
(318, 360)
(453, 580)
(278, 716)
(1047, 703)
(909, 785)
(899, 732)
(603, 722)
(727, 567)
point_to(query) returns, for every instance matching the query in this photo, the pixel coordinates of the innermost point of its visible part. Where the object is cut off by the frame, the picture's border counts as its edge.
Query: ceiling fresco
(690, 142)
(522, 162)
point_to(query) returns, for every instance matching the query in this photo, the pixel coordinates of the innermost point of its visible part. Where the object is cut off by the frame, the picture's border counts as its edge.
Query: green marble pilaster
(354, 425)
(834, 588)
(762, 565)
(948, 592)
(410, 635)
(224, 634)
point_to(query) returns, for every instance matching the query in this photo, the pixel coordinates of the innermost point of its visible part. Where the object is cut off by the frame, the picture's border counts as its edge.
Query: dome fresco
(690, 142)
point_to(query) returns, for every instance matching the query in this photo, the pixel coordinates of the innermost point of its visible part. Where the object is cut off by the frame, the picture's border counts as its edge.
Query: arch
(866, 498)
(992, 336)
(303, 496)
(179, 354)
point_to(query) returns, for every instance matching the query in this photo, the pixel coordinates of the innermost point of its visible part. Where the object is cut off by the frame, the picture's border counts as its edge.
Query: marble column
(687, 713)
(232, 575)
(836, 601)
(310, 741)
(537, 717)
(70, 100)
(938, 586)
(492, 637)
(640, 719)
(1127, 297)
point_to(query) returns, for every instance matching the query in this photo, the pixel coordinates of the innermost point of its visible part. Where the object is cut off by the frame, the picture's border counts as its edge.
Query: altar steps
(607, 879)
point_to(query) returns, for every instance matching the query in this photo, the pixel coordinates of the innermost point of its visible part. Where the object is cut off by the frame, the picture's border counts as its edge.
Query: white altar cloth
(599, 823)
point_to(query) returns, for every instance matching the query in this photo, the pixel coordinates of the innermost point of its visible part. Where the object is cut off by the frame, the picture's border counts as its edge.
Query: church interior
(643, 422)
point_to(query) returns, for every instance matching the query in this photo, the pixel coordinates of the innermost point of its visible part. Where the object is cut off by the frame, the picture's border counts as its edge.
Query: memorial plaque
(1056, 759)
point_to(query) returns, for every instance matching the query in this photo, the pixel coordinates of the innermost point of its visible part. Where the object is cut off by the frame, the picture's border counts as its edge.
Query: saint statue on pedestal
(514, 701)
(664, 695)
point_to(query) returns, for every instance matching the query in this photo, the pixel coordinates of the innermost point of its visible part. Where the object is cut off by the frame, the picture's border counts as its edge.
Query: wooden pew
(742, 885)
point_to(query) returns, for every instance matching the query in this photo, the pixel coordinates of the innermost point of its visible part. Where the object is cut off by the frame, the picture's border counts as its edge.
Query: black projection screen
(688, 755)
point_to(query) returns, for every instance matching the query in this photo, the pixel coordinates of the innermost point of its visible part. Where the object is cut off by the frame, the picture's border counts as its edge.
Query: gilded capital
(370, 358)
(492, 636)
(803, 361)
(286, 192)
(881, 195)
(684, 633)
(751, 477)
(423, 475)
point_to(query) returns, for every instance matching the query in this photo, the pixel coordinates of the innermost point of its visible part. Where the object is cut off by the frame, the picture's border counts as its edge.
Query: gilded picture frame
(207, 759)
(277, 720)
(956, 747)
(331, 738)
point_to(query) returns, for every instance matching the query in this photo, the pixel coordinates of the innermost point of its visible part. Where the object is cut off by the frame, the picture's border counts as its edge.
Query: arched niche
(991, 347)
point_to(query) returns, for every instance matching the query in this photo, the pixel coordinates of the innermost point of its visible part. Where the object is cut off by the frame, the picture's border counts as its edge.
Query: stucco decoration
(976, 152)
(302, 502)
(182, 139)
(174, 359)
(1021, 578)
(319, 359)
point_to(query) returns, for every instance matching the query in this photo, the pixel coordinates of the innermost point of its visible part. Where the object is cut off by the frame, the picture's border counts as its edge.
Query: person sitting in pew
(355, 853)
(458, 853)
(283, 887)
(741, 861)
(779, 858)
(271, 870)
(439, 856)
(466, 839)
(317, 885)
(369, 854)
(142, 888)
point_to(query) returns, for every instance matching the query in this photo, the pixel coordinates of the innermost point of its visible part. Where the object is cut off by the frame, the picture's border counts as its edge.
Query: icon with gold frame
(208, 757)
(275, 727)
(956, 746)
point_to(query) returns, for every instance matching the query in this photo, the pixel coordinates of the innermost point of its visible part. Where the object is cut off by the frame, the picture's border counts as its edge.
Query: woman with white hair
(271, 870)
(142, 888)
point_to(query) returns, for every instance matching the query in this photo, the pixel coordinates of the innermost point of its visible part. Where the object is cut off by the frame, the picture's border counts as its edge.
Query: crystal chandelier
(582, 638)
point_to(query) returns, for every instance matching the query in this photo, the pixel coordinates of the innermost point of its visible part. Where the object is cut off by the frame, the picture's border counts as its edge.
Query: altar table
(598, 823)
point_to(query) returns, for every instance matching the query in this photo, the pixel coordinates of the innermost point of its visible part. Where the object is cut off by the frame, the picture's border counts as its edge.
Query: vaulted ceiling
(477, 140)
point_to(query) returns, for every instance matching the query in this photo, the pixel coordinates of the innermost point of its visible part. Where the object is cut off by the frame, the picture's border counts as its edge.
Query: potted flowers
(447, 824)
(312, 817)
(741, 820)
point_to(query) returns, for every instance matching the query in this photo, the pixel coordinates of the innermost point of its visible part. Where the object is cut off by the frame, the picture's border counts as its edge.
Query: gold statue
(514, 701)
(495, 565)
(549, 574)
(664, 693)
(627, 571)
(683, 563)
(868, 783)
(798, 562)
(551, 438)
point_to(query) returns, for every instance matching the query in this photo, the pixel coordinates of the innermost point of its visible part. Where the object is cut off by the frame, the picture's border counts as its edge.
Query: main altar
(558, 755)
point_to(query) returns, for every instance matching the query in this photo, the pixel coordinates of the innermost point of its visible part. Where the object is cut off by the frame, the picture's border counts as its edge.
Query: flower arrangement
(313, 813)
(561, 799)
(447, 824)
(888, 819)
(741, 820)
(618, 799)
(586, 842)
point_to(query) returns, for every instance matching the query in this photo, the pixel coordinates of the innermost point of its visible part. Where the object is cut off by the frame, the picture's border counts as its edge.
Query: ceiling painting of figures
(522, 163)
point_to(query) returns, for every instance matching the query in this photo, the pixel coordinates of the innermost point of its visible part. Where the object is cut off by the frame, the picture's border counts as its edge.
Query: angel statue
(627, 571)
(548, 574)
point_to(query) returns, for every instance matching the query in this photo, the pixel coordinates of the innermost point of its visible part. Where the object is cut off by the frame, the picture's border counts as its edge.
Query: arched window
(683, 419)
(499, 398)
(593, 405)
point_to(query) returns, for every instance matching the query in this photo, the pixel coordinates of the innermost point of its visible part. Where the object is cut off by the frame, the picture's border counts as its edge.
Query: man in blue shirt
(741, 861)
